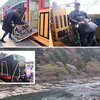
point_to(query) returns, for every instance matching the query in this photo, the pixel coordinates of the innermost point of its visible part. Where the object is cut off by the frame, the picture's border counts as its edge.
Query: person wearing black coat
(11, 19)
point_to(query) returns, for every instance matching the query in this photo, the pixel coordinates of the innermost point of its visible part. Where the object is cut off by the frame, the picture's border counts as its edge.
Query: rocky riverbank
(82, 89)
(26, 89)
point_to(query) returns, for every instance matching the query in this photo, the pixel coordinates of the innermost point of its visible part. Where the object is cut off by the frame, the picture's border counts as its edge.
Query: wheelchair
(77, 38)
(22, 31)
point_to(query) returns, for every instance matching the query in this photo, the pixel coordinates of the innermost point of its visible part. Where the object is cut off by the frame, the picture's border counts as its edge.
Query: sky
(29, 55)
(3, 2)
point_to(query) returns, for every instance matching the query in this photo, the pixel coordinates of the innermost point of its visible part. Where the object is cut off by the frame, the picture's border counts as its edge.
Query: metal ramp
(19, 36)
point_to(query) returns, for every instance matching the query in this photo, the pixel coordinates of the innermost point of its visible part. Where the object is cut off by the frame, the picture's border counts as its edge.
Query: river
(71, 91)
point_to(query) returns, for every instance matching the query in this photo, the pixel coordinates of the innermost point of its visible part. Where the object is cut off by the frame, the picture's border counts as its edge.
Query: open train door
(7, 68)
(30, 15)
(43, 30)
(43, 23)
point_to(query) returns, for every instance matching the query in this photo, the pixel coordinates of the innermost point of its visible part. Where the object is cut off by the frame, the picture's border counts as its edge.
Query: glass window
(90, 6)
(61, 2)
(46, 3)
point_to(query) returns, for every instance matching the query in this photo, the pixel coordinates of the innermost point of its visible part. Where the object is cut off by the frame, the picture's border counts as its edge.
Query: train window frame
(19, 5)
(63, 2)
(2, 71)
(46, 4)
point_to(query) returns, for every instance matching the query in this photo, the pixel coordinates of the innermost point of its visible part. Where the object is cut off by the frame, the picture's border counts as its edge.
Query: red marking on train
(6, 77)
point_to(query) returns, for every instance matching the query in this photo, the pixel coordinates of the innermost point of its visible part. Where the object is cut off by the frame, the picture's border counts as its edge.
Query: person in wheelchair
(11, 19)
(84, 26)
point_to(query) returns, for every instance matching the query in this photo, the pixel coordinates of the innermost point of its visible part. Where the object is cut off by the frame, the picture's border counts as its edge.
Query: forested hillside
(78, 57)
(58, 64)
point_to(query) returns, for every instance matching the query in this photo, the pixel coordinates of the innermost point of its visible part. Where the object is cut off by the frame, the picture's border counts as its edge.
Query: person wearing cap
(82, 19)
(9, 21)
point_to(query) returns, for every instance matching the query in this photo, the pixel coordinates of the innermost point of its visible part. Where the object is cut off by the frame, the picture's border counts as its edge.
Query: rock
(59, 64)
(71, 68)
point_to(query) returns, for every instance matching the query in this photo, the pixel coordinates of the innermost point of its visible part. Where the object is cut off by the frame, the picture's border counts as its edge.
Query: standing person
(8, 23)
(82, 19)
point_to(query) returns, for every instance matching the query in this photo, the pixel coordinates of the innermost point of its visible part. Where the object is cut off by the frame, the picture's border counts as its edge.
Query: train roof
(5, 56)
(8, 55)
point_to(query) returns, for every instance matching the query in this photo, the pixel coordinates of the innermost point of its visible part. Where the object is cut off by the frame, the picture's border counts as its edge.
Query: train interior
(62, 32)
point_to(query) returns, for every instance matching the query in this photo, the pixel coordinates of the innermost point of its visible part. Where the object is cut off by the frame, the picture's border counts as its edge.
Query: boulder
(71, 68)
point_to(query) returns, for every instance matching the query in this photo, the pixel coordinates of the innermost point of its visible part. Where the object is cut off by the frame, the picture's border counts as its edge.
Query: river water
(71, 91)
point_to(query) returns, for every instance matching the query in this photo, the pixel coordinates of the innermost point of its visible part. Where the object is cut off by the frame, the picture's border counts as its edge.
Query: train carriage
(12, 68)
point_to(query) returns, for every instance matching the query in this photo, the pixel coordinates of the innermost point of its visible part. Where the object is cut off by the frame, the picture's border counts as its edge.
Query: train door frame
(43, 30)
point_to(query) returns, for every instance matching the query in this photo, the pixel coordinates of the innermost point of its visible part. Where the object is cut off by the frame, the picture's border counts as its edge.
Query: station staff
(8, 23)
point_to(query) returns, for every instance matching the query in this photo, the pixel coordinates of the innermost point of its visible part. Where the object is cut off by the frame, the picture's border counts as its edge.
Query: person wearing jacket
(11, 19)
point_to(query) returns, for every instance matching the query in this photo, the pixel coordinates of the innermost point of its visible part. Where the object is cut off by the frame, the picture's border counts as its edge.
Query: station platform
(11, 43)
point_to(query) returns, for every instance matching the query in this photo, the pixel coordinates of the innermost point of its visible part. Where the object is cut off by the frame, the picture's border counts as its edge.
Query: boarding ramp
(22, 32)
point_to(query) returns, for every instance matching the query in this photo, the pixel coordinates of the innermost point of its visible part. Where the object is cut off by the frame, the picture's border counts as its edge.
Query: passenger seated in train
(86, 28)
(9, 21)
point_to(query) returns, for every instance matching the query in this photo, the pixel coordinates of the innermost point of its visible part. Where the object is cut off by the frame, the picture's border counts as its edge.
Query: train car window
(8, 11)
(20, 6)
(90, 6)
(33, 14)
(69, 4)
(4, 67)
(18, 58)
(46, 4)
(62, 2)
